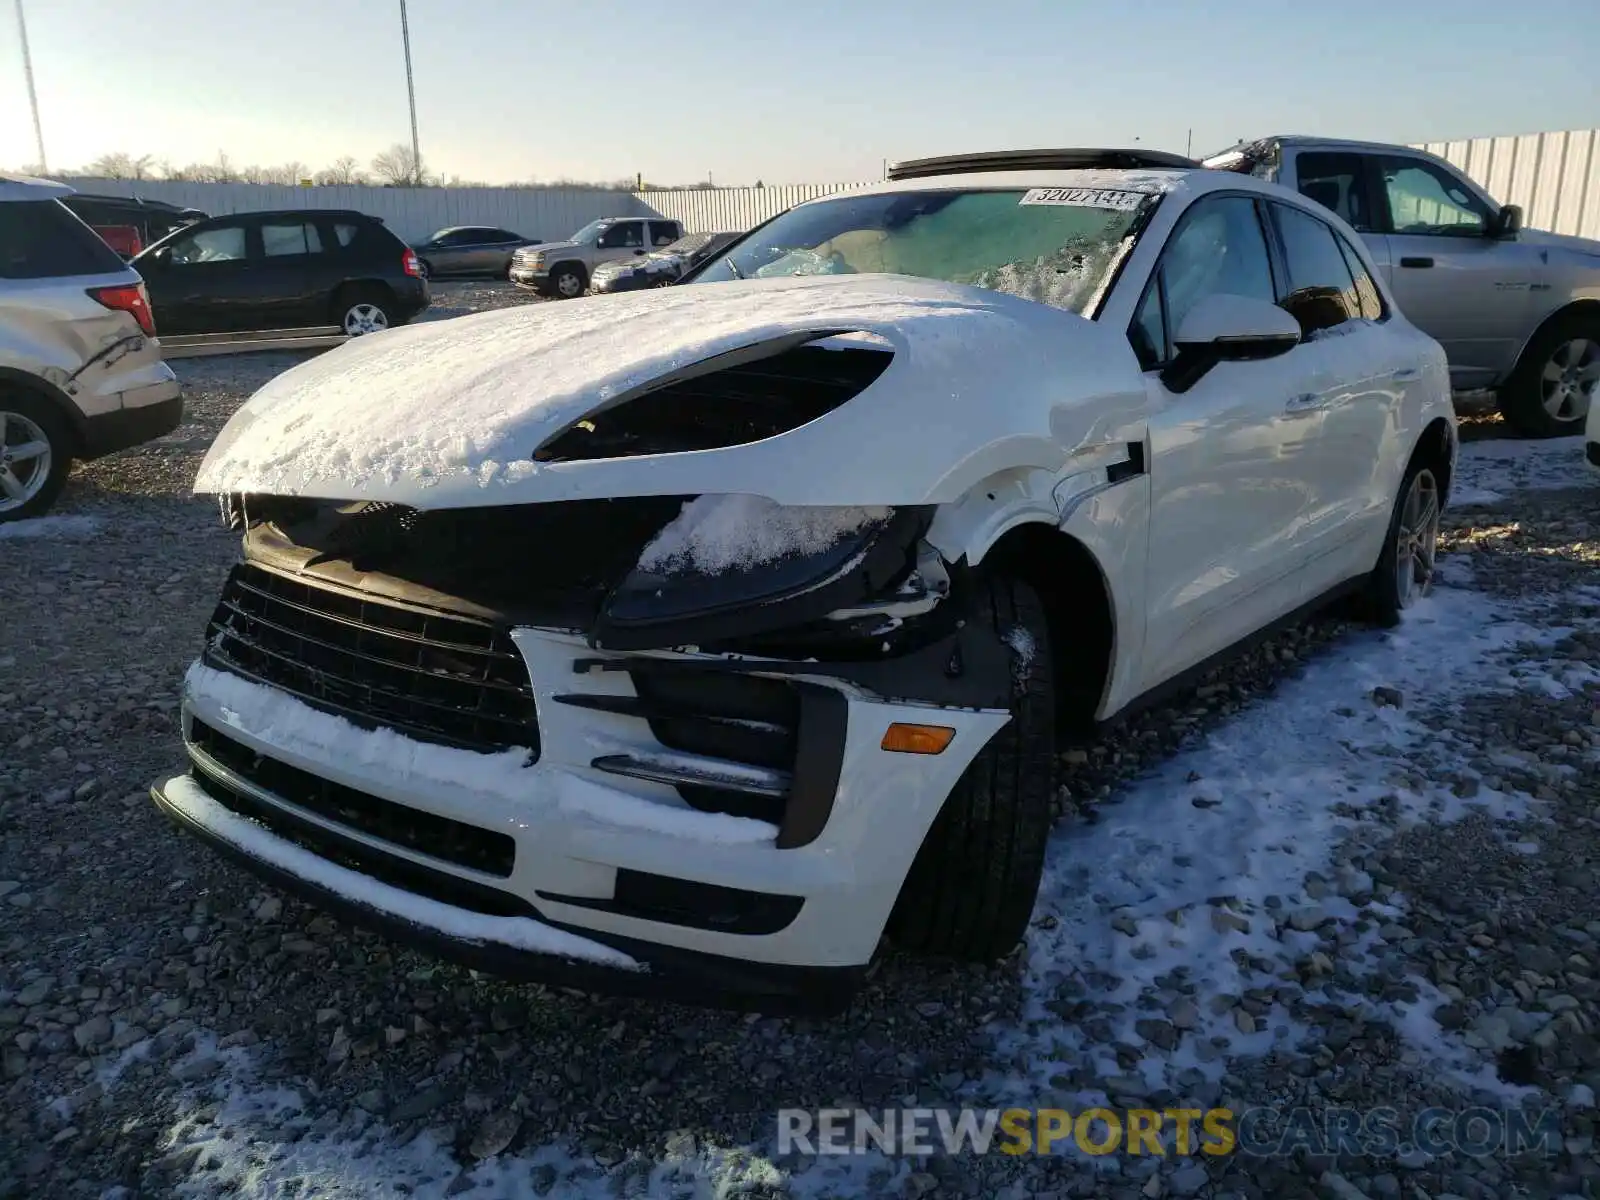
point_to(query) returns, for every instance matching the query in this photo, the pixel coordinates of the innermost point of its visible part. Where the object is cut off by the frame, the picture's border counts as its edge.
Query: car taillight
(128, 298)
(411, 264)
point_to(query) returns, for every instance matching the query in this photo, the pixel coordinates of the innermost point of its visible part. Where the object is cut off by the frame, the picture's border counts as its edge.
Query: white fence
(1555, 177)
(413, 213)
(733, 210)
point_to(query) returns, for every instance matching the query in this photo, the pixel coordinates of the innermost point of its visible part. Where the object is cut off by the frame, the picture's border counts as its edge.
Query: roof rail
(1039, 160)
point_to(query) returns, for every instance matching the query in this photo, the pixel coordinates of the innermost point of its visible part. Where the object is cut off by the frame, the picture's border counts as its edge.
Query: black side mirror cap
(1508, 221)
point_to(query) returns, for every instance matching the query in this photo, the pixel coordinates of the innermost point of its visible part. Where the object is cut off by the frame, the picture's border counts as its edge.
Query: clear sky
(782, 90)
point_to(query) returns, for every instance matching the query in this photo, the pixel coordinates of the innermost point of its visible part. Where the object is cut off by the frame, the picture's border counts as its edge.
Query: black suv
(288, 269)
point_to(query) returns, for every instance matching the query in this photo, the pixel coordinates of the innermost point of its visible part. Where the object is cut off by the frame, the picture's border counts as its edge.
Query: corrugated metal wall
(1554, 176)
(733, 210)
(413, 213)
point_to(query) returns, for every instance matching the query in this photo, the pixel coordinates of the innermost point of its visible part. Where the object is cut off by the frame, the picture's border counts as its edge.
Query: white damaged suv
(689, 642)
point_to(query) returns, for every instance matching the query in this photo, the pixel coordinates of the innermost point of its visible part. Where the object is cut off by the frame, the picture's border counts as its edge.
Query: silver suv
(1516, 310)
(81, 372)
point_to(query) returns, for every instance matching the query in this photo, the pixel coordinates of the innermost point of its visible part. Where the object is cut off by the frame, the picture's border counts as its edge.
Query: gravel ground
(170, 1026)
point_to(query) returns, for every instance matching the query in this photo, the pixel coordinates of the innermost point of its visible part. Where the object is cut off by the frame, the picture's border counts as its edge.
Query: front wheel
(1556, 380)
(1406, 567)
(971, 890)
(568, 281)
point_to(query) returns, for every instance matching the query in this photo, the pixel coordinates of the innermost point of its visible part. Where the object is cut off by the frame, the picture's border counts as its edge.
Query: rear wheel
(359, 311)
(971, 890)
(1405, 568)
(35, 454)
(1556, 380)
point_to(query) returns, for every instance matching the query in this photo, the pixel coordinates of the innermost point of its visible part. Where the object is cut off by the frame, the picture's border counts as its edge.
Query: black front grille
(420, 832)
(436, 678)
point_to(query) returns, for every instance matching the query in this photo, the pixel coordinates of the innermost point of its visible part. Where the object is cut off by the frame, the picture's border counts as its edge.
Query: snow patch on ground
(66, 528)
(714, 534)
(1487, 470)
(283, 721)
(520, 933)
(1207, 859)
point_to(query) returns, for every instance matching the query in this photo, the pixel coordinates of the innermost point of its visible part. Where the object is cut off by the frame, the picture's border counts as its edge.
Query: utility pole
(411, 96)
(1188, 147)
(33, 96)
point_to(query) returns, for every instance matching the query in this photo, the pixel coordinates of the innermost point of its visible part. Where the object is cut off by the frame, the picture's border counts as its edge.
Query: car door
(623, 239)
(202, 280)
(1230, 487)
(1467, 288)
(1355, 372)
(1347, 185)
(292, 294)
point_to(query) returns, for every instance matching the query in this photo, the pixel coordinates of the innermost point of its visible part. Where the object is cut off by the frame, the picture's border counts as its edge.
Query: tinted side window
(1367, 294)
(281, 238)
(224, 243)
(1336, 182)
(500, 235)
(663, 233)
(1148, 333)
(1426, 199)
(40, 239)
(1218, 248)
(622, 235)
(1321, 294)
(345, 233)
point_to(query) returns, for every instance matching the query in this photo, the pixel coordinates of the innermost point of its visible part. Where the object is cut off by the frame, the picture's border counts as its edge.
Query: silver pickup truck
(1516, 310)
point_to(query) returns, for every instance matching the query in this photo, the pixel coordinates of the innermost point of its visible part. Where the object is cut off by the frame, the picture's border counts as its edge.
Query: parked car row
(562, 270)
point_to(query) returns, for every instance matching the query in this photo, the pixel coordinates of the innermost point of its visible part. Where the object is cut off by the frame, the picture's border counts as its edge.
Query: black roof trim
(302, 212)
(1040, 160)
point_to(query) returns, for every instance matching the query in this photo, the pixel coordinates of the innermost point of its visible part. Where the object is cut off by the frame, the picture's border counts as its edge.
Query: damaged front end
(737, 623)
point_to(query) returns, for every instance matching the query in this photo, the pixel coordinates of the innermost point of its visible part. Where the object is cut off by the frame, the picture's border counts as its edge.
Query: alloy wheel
(25, 460)
(365, 318)
(1570, 379)
(1417, 539)
(569, 285)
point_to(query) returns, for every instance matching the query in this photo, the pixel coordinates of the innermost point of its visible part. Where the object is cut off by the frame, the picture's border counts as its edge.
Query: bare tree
(289, 173)
(120, 166)
(399, 167)
(343, 173)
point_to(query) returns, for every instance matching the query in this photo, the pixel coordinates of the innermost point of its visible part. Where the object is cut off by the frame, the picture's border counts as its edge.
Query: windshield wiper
(733, 267)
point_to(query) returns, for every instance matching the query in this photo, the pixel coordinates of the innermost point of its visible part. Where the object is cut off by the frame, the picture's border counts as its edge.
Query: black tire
(350, 298)
(1380, 600)
(425, 267)
(970, 892)
(1523, 396)
(58, 432)
(564, 270)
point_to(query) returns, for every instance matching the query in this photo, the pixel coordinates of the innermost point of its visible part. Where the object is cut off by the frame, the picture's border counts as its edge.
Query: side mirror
(1507, 222)
(1223, 327)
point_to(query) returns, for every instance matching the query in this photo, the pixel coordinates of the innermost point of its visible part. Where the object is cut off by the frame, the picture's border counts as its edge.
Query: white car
(689, 642)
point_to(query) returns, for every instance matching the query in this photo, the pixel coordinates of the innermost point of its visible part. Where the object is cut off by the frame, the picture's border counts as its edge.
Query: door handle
(1303, 403)
(1417, 261)
(1402, 374)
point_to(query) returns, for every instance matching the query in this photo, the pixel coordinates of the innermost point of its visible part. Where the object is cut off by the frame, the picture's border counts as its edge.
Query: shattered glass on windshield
(1058, 250)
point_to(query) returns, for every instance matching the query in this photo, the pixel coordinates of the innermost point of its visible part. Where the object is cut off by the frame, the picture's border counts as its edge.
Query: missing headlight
(732, 400)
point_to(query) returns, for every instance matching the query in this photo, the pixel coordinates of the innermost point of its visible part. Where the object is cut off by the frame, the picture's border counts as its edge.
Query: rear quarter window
(41, 239)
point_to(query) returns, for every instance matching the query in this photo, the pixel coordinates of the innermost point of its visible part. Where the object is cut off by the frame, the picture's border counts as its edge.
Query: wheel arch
(1588, 306)
(12, 379)
(349, 287)
(1436, 446)
(1079, 606)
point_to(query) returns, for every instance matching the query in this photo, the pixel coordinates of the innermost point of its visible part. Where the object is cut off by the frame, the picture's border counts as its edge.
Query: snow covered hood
(447, 414)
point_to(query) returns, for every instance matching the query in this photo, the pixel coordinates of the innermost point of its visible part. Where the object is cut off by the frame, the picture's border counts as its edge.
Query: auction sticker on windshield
(1085, 198)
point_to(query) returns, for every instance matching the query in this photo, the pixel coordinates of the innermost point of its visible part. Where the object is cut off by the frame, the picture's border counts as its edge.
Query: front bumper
(784, 918)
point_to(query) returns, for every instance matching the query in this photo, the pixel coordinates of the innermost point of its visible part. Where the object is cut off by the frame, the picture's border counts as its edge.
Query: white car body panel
(448, 414)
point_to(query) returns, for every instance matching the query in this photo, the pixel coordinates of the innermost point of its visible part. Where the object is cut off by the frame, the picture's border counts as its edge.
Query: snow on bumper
(588, 850)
